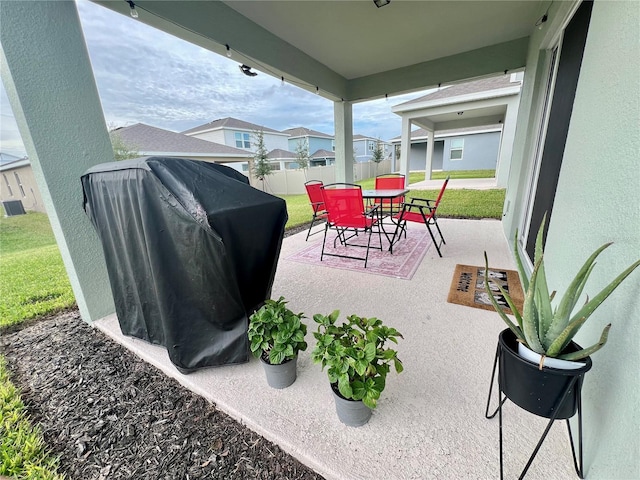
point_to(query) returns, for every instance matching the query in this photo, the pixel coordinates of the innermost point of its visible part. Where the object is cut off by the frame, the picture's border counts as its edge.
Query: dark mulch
(110, 415)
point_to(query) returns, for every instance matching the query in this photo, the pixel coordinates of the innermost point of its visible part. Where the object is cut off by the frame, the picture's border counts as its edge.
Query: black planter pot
(539, 391)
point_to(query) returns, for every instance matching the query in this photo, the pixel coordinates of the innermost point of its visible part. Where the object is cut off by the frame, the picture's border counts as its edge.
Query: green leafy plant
(547, 330)
(276, 333)
(355, 354)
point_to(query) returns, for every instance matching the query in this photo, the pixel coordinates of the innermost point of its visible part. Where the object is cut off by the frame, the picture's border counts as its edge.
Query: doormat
(403, 263)
(467, 288)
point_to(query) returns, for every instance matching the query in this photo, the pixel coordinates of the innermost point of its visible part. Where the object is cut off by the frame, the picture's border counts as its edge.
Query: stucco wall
(597, 200)
(480, 152)
(31, 200)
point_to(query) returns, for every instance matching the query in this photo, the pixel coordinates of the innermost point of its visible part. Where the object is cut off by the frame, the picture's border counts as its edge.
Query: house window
(372, 146)
(242, 140)
(333, 146)
(457, 146)
(275, 166)
(6, 181)
(19, 184)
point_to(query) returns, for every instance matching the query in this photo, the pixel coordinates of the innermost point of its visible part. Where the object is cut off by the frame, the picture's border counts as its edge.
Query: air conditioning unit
(13, 207)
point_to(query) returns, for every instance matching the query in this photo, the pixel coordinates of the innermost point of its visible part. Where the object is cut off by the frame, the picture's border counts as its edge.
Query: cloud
(148, 76)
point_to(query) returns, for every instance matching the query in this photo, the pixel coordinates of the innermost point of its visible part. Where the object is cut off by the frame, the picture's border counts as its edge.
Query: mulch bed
(109, 415)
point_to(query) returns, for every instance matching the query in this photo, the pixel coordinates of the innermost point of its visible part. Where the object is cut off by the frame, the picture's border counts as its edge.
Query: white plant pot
(528, 354)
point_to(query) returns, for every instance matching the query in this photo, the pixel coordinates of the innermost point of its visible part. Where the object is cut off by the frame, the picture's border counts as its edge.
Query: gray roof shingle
(230, 122)
(323, 154)
(303, 132)
(279, 153)
(146, 138)
(476, 86)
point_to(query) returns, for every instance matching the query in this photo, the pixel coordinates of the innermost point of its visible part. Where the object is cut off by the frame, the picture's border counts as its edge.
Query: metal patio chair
(347, 215)
(423, 211)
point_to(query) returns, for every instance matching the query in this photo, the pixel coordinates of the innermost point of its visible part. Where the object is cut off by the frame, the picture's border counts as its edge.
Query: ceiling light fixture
(381, 3)
(541, 21)
(133, 12)
(247, 70)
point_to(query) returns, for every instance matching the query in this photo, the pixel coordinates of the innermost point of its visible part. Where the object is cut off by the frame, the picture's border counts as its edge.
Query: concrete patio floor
(430, 422)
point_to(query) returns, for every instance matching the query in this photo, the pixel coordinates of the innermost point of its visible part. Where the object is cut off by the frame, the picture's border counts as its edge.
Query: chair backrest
(390, 181)
(444, 185)
(315, 194)
(344, 205)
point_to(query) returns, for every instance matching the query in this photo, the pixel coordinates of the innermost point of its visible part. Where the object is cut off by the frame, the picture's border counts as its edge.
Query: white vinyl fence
(291, 182)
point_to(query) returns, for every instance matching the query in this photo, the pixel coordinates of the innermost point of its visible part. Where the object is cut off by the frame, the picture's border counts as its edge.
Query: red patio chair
(390, 181)
(424, 211)
(346, 214)
(317, 204)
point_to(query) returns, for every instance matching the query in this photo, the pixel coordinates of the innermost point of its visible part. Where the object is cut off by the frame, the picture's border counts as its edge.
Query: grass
(33, 280)
(23, 454)
(456, 203)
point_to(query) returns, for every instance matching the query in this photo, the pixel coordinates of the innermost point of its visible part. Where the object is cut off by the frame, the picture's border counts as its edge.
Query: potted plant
(546, 356)
(276, 335)
(357, 361)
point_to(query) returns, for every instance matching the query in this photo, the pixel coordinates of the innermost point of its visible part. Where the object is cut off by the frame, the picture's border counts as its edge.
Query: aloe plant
(356, 355)
(542, 328)
(276, 333)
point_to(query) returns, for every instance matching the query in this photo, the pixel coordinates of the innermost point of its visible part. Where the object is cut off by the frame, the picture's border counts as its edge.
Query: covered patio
(430, 419)
(575, 157)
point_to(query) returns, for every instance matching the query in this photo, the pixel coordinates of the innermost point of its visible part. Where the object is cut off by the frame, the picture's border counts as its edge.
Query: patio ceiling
(352, 50)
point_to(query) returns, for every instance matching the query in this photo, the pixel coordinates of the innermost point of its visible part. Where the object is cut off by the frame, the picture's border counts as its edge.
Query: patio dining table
(390, 195)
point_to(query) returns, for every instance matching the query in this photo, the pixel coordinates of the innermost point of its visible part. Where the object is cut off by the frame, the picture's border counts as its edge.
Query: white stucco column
(430, 142)
(49, 81)
(405, 148)
(343, 121)
(506, 142)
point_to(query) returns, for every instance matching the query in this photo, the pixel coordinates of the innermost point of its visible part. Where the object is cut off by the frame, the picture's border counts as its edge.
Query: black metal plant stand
(564, 405)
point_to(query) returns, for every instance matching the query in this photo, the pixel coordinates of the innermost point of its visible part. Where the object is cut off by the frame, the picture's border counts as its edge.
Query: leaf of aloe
(558, 345)
(570, 298)
(529, 320)
(516, 331)
(585, 352)
(523, 275)
(595, 302)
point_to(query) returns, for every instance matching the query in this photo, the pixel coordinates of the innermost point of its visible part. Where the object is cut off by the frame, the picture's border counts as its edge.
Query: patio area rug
(467, 287)
(407, 255)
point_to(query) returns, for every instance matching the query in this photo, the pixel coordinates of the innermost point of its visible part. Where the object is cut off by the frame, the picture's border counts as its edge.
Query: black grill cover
(191, 251)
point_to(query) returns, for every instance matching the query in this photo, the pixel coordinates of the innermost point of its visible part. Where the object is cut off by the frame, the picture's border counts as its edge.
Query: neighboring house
(363, 148)
(153, 141)
(239, 134)
(321, 158)
(474, 124)
(282, 159)
(472, 148)
(18, 183)
(313, 139)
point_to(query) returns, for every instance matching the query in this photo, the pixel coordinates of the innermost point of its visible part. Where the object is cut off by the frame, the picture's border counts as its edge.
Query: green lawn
(33, 281)
(23, 453)
(456, 203)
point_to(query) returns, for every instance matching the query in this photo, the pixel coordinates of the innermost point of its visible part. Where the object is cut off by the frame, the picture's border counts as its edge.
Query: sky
(148, 76)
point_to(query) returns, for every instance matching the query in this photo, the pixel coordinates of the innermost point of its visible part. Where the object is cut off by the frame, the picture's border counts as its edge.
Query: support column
(430, 141)
(506, 143)
(343, 121)
(47, 74)
(405, 148)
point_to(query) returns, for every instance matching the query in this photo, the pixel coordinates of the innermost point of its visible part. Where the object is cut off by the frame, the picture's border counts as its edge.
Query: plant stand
(563, 406)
